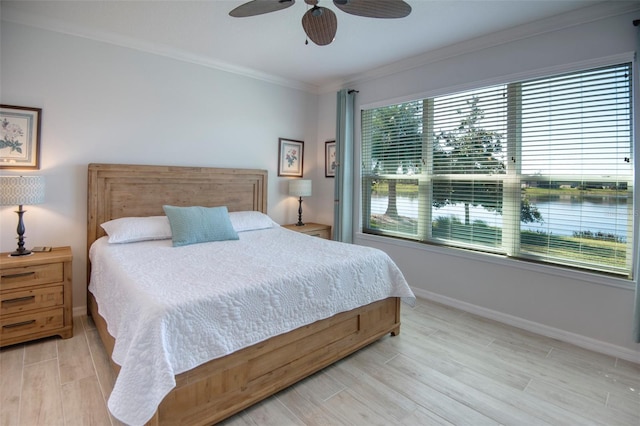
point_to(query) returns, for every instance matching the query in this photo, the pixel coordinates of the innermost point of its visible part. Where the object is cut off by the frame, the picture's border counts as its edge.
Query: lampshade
(19, 190)
(300, 187)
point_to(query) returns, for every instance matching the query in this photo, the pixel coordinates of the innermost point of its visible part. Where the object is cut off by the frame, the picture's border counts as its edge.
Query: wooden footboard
(224, 386)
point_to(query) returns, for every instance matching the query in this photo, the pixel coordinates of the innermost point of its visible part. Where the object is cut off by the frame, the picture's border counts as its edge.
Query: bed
(214, 389)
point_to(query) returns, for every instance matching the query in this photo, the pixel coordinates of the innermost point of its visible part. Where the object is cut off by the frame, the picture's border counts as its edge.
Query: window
(537, 169)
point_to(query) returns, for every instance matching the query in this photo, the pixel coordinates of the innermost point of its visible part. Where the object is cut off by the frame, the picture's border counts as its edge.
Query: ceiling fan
(319, 23)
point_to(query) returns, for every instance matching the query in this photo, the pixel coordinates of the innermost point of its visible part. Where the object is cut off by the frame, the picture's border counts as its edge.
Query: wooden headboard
(123, 190)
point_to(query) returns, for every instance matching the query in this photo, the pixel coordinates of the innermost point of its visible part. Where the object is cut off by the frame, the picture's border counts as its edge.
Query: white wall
(104, 103)
(594, 312)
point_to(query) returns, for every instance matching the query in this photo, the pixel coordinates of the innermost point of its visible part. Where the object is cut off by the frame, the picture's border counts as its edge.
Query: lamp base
(24, 252)
(300, 213)
(20, 251)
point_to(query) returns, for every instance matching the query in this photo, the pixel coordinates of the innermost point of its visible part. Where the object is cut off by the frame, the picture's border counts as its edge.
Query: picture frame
(290, 157)
(19, 137)
(330, 159)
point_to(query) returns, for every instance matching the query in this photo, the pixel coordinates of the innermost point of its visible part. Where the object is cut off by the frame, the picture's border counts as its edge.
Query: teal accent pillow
(192, 225)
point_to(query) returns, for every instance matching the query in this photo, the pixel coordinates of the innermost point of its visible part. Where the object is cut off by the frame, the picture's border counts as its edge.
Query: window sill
(504, 261)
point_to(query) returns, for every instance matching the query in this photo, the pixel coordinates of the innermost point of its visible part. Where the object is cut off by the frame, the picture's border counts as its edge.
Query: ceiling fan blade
(375, 8)
(320, 24)
(259, 7)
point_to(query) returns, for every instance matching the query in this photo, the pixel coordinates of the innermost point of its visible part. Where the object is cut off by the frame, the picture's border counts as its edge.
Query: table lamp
(21, 190)
(300, 188)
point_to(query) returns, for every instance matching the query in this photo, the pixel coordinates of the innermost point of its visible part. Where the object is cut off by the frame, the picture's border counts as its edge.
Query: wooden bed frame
(222, 387)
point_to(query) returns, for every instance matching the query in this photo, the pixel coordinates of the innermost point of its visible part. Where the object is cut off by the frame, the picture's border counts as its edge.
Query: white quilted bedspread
(172, 309)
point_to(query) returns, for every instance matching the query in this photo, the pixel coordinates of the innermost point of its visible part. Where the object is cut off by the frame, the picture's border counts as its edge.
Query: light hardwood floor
(446, 367)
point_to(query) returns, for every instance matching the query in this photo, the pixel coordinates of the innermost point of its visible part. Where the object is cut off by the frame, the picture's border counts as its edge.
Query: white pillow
(133, 229)
(250, 220)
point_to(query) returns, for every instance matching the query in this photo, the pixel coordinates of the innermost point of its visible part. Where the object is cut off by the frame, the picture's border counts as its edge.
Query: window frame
(622, 281)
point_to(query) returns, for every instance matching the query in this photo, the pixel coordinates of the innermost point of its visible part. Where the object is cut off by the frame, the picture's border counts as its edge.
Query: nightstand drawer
(321, 233)
(312, 229)
(36, 322)
(21, 301)
(31, 275)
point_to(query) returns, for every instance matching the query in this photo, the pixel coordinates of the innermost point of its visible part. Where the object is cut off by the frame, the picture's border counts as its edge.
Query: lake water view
(608, 215)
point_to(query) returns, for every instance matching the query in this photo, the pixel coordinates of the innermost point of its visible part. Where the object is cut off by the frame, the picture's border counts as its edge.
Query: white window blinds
(392, 158)
(538, 169)
(469, 149)
(577, 169)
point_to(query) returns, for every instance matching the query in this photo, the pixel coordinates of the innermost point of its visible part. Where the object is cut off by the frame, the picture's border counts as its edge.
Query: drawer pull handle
(23, 274)
(19, 299)
(19, 324)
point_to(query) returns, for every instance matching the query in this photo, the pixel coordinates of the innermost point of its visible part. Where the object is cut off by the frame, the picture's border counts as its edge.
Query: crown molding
(585, 15)
(58, 26)
(559, 22)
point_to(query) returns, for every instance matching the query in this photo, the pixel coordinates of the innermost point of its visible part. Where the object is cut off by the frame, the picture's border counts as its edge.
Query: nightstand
(35, 295)
(313, 229)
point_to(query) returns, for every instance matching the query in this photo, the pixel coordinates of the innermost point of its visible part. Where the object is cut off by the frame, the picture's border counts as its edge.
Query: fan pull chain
(306, 37)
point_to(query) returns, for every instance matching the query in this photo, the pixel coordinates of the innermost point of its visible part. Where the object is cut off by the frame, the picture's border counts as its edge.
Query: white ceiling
(272, 46)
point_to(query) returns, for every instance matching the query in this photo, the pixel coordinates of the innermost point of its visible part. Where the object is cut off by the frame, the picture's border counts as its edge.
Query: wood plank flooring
(446, 367)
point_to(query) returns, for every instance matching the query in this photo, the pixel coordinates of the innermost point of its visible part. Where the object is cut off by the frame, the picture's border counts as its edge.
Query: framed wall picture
(290, 155)
(330, 159)
(19, 137)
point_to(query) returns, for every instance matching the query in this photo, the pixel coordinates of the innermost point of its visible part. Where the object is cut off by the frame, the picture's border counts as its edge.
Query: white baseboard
(79, 311)
(534, 327)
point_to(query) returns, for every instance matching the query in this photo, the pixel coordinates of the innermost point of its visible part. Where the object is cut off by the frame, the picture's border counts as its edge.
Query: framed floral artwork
(290, 155)
(19, 137)
(330, 159)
